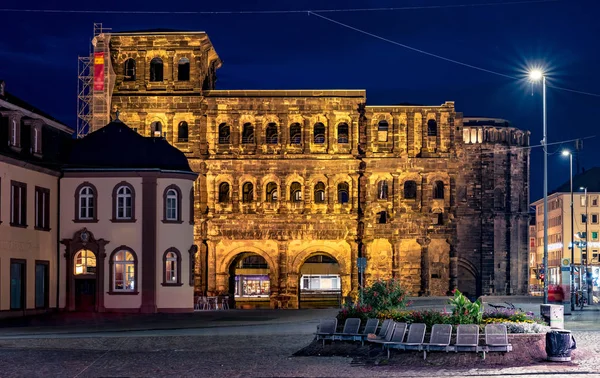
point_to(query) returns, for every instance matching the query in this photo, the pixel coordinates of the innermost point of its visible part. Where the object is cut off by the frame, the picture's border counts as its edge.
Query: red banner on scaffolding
(99, 71)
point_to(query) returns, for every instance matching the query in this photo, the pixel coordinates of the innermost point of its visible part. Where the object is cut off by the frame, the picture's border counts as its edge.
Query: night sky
(38, 56)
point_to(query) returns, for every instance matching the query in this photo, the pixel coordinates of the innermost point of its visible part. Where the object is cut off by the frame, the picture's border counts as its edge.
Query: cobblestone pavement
(250, 350)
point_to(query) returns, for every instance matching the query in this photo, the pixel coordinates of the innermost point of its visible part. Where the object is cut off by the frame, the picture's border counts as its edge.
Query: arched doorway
(249, 281)
(84, 276)
(320, 282)
(468, 279)
(84, 256)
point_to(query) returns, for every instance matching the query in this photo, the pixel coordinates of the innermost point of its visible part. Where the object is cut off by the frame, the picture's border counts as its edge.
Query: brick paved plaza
(230, 344)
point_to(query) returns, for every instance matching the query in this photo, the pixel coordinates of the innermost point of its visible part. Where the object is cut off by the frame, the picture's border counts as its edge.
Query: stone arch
(295, 118)
(468, 277)
(223, 118)
(337, 254)
(231, 255)
(320, 118)
(376, 118)
(247, 118)
(166, 128)
(271, 118)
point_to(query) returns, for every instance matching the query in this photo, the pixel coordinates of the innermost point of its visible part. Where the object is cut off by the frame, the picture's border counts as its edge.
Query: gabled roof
(589, 179)
(117, 147)
(10, 98)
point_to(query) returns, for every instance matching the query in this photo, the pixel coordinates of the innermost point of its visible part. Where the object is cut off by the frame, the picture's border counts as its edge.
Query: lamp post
(536, 75)
(572, 244)
(587, 252)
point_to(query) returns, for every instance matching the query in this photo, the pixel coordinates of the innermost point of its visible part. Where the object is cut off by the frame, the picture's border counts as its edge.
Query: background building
(295, 185)
(586, 223)
(30, 146)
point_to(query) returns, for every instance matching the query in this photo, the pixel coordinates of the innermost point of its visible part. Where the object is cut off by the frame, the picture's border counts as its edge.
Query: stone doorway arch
(250, 281)
(469, 280)
(83, 241)
(320, 281)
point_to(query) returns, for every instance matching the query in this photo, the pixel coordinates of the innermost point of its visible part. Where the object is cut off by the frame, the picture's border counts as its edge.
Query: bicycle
(581, 300)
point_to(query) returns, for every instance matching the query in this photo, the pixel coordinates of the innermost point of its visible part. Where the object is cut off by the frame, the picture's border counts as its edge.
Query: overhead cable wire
(443, 57)
(380, 9)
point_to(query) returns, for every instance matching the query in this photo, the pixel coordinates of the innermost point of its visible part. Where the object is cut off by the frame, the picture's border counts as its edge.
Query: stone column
(282, 247)
(354, 268)
(453, 283)
(353, 193)
(198, 135)
(395, 258)
(331, 193)
(425, 275)
(331, 131)
(171, 127)
(169, 69)
(396, 190)
(284, 131)
(141, 76)
(259, 136)
(395, 126)
(306, 133)
(235, 131)
(212, 265)
(235, 195)
(143, 126)
(353, 137)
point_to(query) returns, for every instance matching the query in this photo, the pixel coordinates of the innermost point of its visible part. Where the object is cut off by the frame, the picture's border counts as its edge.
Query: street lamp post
(572, 238)
(587, 251)
(537, 75)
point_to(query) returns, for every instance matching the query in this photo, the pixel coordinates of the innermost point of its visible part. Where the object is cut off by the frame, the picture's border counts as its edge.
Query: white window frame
(123, 194)
(35, 140)
(12, 205)
(41, 223)
(171, 199)
(124, 262)
(171, 269)
(84, 202)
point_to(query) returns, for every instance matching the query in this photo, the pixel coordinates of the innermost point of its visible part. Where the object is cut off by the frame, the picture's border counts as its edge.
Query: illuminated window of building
(382, 131)
(271, 192)
(271, 133)
(84, 262)
(296, 192)
(252, 277)
(295, 133)
(466, 135)
(224, 134)
(172, 268)
(224, 192)
(382, 190)
(320, 193)
(123, 271)
(156, 128)
(129, 70)
(183, 69)
(248, 192)
(594, 235)
(319, 133)
(248, 133)
(582, 201)
(156, 69)
(432, 128)
(315, 282)
(342, 133)
(343, 190)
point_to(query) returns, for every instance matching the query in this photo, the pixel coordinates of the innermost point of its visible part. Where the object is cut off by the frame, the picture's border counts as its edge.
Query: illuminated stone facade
(289, 175)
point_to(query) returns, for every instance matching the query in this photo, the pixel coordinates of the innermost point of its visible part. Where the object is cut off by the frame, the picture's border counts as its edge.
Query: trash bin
(559, 344)
(554, 315)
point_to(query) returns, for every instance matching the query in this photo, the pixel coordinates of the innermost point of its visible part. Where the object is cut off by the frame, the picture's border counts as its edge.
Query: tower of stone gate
(295, 185)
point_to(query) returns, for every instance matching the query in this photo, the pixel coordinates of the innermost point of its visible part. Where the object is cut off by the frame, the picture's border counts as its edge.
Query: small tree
(384, 295)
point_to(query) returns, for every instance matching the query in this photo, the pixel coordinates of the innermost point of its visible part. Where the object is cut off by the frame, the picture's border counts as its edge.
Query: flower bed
(386, 300)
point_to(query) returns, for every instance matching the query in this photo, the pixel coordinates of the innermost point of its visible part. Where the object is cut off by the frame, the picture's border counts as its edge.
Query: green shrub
(383, 295)
(465, 311)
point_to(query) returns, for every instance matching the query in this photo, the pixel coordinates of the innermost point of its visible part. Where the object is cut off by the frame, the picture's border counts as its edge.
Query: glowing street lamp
(570, 155)
(535, 75)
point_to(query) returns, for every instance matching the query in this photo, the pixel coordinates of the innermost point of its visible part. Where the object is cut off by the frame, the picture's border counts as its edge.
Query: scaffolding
(92, 105)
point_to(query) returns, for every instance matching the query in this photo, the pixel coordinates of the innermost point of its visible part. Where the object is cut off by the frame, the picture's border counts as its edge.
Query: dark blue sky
(38, 56)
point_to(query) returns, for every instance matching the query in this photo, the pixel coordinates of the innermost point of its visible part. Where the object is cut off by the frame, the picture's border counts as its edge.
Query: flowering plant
(354, 311)
(384, 295)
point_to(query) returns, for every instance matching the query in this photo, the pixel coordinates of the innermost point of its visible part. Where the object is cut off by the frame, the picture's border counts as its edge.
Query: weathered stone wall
(443, 232)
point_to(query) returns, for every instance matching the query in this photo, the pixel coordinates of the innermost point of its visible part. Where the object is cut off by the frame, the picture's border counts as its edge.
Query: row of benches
(392, 334)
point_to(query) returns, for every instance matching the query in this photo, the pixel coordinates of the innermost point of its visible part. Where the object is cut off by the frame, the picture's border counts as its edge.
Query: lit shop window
(252, 286)
(311, 282)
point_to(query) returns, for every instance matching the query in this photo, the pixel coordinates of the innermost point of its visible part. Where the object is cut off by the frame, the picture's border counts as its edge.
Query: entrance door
(85, 294)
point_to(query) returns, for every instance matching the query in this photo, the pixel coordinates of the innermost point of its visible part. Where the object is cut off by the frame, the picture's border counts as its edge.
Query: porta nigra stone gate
(295, 185)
